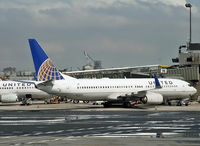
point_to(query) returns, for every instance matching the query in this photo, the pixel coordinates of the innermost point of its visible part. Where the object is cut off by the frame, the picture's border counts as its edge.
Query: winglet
(157, 83)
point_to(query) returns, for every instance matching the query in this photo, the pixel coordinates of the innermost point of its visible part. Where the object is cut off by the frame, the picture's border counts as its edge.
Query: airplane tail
(45, 70)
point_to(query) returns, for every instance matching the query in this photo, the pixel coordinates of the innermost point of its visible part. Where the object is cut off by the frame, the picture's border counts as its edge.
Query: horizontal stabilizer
(45, 83)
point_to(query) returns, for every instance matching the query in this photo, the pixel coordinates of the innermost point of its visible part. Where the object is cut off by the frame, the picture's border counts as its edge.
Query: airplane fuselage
(111, 89)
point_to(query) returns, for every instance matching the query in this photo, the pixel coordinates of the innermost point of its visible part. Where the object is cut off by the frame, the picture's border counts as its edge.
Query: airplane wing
(131, 95)
(138, 94)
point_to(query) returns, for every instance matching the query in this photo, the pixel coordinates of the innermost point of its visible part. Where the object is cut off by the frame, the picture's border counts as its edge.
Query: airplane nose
(194, 90)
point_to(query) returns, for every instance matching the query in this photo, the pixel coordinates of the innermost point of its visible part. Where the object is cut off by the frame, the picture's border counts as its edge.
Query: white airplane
(147, 90)
(13, 91)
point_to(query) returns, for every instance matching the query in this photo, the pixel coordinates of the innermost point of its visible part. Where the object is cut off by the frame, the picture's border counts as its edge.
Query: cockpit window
(190, 85)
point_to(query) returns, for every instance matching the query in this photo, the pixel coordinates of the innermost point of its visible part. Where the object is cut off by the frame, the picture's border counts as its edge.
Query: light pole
(188, 5)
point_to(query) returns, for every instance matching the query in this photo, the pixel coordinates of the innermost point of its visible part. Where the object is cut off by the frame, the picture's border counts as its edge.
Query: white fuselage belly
(103, 89)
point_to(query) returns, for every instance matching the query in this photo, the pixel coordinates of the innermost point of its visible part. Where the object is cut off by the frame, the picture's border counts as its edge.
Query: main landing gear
(126, 104)
(26, 101)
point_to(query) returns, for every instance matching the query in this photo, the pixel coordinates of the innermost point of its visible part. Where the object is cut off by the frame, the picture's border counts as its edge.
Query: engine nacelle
(8, 98)
(153, 98)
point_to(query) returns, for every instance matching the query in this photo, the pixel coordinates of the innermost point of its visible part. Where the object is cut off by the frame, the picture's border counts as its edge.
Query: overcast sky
(118, 32)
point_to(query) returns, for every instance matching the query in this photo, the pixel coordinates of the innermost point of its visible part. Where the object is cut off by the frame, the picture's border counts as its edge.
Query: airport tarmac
(39, 105)
(110, 128)
(96, 141)
(89, 125)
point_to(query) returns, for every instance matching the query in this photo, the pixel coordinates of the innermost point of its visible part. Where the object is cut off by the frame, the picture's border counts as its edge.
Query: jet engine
(8, 98)
(152, 98)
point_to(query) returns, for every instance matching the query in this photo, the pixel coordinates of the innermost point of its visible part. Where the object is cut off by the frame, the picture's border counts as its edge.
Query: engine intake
(8, 98)
(153, 98)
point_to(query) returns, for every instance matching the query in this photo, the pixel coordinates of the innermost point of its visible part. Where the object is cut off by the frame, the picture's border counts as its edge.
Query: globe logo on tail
(48, 71)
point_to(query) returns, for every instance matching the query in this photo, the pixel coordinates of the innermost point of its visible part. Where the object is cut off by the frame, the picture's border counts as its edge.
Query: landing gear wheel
(75, 101)
(179, 104)
(68, 100)
(85, 101)
(26, 102)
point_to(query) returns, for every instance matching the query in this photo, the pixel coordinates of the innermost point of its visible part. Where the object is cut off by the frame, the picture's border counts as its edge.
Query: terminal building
(189, 60)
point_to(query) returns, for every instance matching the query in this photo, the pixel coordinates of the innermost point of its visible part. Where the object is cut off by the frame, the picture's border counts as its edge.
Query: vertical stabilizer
(45, 70)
